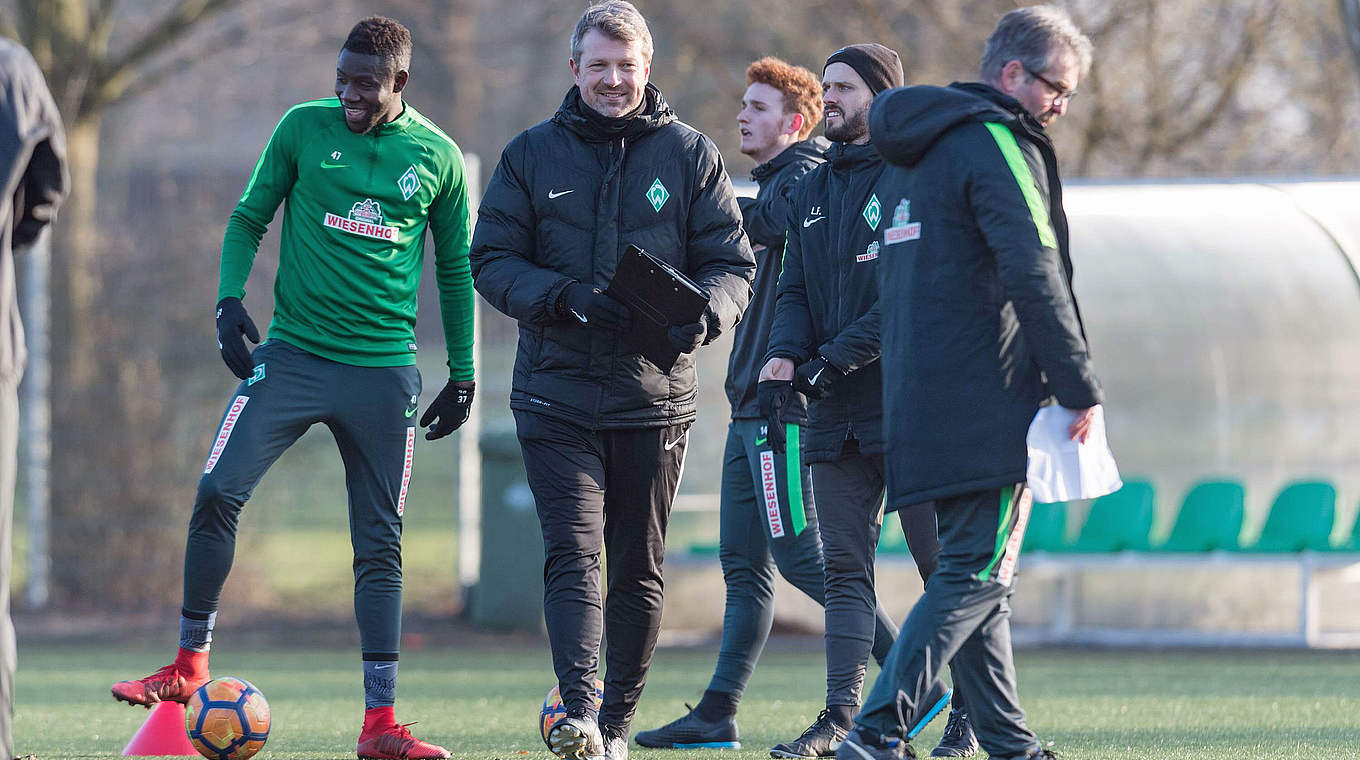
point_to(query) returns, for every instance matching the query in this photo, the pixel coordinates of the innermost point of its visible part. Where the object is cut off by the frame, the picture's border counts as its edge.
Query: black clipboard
(659, 296)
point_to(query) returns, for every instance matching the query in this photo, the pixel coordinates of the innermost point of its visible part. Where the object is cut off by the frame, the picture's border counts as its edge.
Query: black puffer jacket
(568, 196)
(765, 218)
(979, 322)
(828, 296)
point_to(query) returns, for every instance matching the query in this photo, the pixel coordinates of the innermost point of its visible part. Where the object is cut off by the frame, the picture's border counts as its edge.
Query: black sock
(716, 705)
(843, 715)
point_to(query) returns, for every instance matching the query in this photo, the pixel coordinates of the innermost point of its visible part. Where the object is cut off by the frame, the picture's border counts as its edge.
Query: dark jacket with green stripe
(828, 296)
(979, 324)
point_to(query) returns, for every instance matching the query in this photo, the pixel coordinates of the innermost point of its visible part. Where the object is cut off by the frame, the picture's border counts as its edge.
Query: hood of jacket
(811, 148)
(591, 126)
(906, 121)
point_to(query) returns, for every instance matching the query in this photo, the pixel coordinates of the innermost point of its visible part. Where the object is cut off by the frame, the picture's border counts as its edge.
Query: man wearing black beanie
(824, 344)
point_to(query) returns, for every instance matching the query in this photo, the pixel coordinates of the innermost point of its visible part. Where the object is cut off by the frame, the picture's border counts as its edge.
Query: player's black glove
(232, 323)
(686, 338)
(451, 406)
(593, 308)
(817, 378)
(780, 404)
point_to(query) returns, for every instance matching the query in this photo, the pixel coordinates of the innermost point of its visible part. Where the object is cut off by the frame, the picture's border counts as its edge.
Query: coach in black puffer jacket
(569, 195)
(994, 329)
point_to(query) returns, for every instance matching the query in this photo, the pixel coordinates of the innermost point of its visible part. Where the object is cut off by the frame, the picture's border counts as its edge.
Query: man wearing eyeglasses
(980, 331)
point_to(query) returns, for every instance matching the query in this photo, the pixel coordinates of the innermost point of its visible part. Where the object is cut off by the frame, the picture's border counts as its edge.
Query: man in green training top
(364, 175)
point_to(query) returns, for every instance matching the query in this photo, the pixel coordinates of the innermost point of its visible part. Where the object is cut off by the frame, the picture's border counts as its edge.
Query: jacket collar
(591, 126)
(399, 124)
(1025, 119)
(811, 148)
(848, 157)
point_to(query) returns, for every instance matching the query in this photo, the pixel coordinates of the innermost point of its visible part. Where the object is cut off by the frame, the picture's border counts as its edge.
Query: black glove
(594, 308)
(232, 323)
(817, 378)
(451, 406)
(686, 338)
(780, 404)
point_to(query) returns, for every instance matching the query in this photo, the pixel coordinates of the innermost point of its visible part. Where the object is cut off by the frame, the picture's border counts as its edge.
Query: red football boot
(396, 743)
(173, 683)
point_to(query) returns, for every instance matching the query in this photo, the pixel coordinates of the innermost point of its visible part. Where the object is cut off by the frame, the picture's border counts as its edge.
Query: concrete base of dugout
(1306, 600)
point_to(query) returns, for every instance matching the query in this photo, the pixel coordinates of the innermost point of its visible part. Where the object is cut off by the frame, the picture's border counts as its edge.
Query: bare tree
(109, 435)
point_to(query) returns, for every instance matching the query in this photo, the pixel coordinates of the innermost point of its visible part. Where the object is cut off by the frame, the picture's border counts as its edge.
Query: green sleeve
(453, 273)
(269, 184)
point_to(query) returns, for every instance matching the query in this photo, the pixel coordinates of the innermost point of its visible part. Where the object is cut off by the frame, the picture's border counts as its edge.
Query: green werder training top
(353, 235)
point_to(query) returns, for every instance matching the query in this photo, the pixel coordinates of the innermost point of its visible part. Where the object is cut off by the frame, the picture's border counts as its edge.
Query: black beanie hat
(878, 66)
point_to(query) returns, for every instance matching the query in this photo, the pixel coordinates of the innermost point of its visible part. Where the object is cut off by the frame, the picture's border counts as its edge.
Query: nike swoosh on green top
(326, 165)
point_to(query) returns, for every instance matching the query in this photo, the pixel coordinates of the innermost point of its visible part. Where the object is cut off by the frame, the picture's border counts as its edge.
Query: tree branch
(151, 79)
(1229, 81)
(113, 77)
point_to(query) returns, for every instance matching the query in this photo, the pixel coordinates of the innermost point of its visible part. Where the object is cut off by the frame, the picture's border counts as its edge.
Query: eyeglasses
(1062, 96)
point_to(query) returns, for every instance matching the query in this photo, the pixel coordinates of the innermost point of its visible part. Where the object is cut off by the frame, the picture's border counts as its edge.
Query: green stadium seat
(1300, 519)
(1047, 529)
(704, 549)
(1120, 521)
(891, 540)
(1352, 543)
(1210, 519)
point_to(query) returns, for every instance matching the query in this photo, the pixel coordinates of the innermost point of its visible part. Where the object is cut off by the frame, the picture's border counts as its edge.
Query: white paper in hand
(1061, 469)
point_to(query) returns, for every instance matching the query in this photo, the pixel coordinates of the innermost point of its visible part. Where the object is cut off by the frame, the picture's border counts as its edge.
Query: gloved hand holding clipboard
(659, 297)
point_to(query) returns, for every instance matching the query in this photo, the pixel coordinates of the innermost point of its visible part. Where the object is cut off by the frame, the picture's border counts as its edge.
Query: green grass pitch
(482, 702)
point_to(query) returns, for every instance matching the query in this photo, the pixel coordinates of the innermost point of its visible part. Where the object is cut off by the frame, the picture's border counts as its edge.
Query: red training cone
(162, 734)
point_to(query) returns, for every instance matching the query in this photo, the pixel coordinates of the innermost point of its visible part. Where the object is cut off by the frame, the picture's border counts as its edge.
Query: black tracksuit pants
(962, 619)
(610, 492)
(370, 410)
(849, 496)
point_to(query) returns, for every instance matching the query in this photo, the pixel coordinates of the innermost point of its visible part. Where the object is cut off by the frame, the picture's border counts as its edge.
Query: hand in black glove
(816, 379)
(451, 406)
(232, 323)
(780, 404)
(686, 338)
(595, 309)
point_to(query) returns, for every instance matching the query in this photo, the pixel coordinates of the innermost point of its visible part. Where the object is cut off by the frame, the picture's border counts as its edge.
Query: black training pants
(962, 619)
(370, 410)
(610, 491)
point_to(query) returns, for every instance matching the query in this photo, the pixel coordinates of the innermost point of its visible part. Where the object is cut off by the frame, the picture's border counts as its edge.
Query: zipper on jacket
(616, 156)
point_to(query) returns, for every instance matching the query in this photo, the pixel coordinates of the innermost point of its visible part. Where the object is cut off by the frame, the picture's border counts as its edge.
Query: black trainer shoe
(577, 737)
(689, 731)
(864, 745)
(958, 739)
(819, 740)
(615, 742)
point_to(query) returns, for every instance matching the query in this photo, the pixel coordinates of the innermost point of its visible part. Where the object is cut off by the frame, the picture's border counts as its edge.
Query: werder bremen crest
(408, 183)
(873, 212)
(657, 194)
